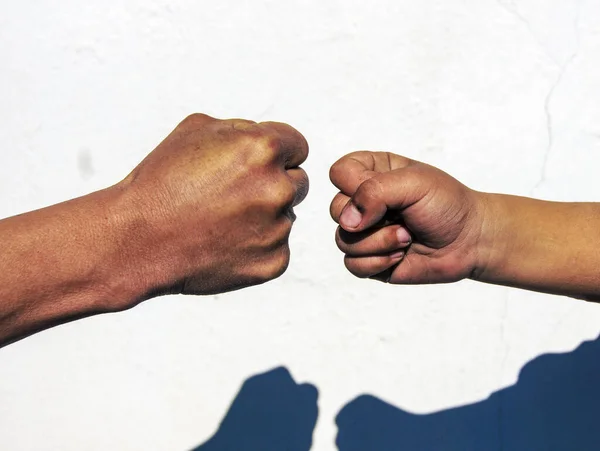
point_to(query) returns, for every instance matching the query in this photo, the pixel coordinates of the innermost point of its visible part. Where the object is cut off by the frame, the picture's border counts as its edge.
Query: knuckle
(310, 392)
(334, 210)
(303, 183)
(355, 267)
(336, 206)
(304, 179)
(240, 124)
(276, 238)
(339, 241)
(369, 188)
(347, 247)
(277, 264)
(338, 170)
(266, 142)
(195, 119)
(281, 233)
(389, 240)
(334, 171)
(287, 196)
(280, 194)
(263, 148)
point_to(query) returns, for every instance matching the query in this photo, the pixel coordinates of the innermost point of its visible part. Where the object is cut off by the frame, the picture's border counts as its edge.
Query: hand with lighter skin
(405, 222)
(210, 210)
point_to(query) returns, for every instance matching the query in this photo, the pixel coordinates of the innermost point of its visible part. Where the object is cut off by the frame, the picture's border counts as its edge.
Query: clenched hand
(218, 198)
(208, 211)
(402, 221)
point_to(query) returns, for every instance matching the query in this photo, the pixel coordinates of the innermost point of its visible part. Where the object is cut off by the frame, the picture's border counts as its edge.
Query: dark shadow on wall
(554, 406)
(270, 413)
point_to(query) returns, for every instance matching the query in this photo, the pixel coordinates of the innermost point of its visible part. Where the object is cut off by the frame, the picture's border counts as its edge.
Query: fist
(271, 412)
(402, 221)
(215, 201)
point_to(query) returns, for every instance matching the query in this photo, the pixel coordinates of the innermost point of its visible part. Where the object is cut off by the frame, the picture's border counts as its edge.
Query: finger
(385, 275)
(309, 393)
(373, 241)
(350, 171)
(414, 269)
(395, 190)
(337, 205)
(369, 266)
(196, 120)
(419, 268)
(241, 124)
(301, 184)
(294, 147)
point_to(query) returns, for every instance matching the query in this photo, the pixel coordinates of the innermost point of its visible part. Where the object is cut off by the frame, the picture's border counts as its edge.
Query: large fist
(271, 412)
(215, 200)
(402, 221)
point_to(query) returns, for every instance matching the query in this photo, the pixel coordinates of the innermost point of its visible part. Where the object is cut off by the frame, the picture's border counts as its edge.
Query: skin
(210, 210)
(405, 222)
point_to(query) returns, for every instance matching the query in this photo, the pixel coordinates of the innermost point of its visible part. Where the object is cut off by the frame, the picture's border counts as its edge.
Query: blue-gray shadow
(554, 406)
(271, 412)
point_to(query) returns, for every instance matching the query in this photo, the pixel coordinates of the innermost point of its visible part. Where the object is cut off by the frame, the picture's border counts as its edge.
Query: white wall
(502, 94)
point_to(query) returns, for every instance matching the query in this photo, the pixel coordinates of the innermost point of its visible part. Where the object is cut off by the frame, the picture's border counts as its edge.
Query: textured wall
(505, 95)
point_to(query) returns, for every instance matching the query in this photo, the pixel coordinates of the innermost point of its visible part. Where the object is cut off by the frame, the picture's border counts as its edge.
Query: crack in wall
(512, 8)
(549, 130)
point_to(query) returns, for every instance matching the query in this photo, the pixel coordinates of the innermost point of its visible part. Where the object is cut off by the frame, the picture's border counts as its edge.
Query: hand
(271, 412)
(215, 200)
(402, 221)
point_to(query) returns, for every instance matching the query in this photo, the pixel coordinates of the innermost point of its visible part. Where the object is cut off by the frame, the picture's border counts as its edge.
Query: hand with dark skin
(210, 210)
(405, 222)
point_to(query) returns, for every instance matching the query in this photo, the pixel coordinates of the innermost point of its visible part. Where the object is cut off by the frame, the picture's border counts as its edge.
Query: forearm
(71, 260)
(551, 247)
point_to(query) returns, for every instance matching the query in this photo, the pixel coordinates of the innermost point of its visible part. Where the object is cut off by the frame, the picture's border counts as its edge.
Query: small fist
(215, 200)
(402, 221)
(271, 412)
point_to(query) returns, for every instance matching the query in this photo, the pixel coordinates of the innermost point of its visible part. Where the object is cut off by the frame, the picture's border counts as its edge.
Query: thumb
(393, 190)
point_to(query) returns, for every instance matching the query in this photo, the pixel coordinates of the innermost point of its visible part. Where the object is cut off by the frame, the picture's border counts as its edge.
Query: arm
(67, 261)
(209, 210)
(538, 245)
(402, 221)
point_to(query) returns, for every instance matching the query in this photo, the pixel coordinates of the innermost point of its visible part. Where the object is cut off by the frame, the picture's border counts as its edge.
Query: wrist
(492, 242)
(141, 264)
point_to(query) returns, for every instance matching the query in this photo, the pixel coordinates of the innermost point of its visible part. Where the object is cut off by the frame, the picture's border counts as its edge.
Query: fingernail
(396, 255)
(351, 217)
(403, 236)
